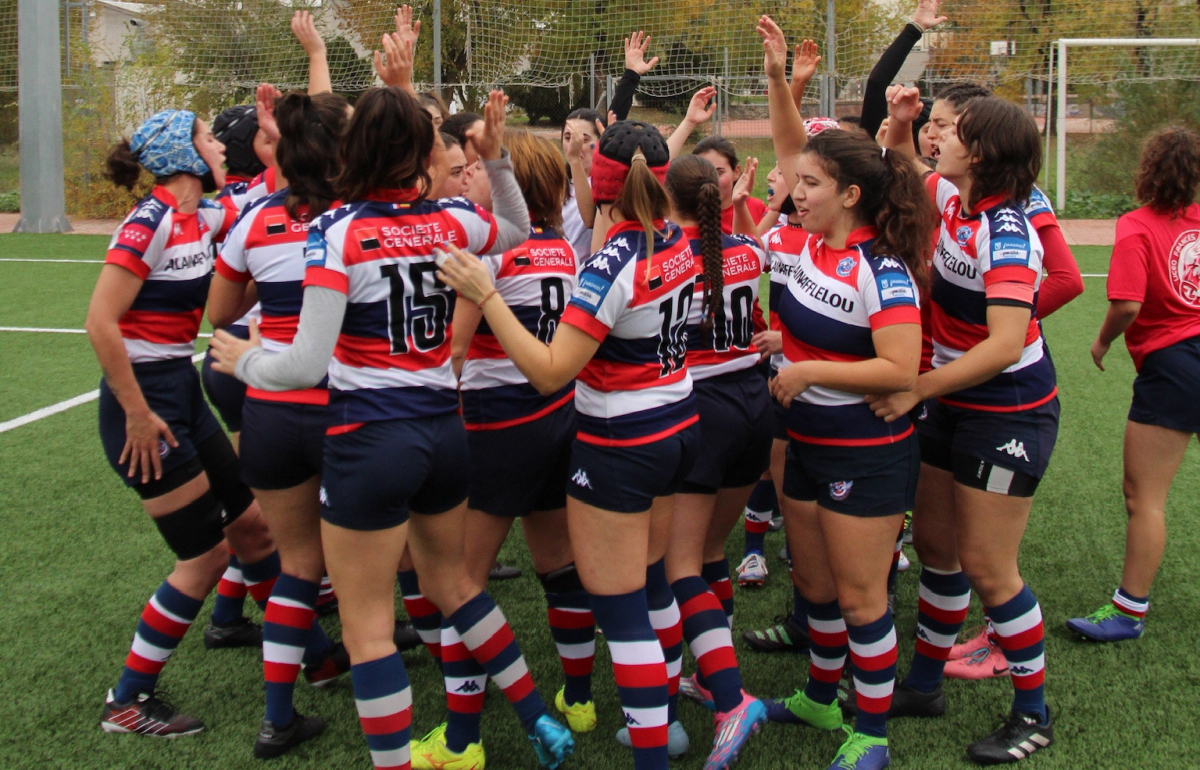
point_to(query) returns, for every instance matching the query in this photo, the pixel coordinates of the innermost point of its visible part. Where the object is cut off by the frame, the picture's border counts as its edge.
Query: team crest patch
(840, 490)
(1184, 267)
(164, 448)
(963, 236)
(845, 267)
(368, 238)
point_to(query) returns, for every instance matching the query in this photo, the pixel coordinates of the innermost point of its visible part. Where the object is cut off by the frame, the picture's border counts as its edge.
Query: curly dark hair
(1169, 172)
(1008, 145)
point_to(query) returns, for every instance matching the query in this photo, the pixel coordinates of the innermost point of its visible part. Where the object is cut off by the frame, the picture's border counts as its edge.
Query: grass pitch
(78, 560)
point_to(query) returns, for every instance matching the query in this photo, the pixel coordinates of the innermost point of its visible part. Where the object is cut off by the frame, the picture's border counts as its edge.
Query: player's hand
(264, 109)
(791, 381)
(745, 183)
(574, 149)
(926, 16)
(144, 435)
(464, 272)
(701, 107)
(635, 53)
(306, 33)
(904, 103)
(775, 49)
(487, 138)
(406, 28)
(395, 63)
(894, 405)
(1099, 351)
(805, 61)
(226, 349)
(769, 343)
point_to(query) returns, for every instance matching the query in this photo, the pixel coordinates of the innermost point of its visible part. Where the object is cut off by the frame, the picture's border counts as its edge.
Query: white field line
(61, 406)
(48, 330)
(67, 261)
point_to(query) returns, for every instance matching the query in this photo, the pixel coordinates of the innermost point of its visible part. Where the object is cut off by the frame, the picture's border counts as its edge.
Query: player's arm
(229, 300)
(466, 320)
(115, 291)
(1121, 314)
(1063, 281)
(787, 127)
(310, 40)
(700, 109)
(892, 370)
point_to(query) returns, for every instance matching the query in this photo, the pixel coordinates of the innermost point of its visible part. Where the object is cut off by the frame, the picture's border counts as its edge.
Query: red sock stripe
(1024, 639)
(723, 589)
(640, 675)
(1030, 681)
(162, 624)
(419, 607)
(519, 689)
(950, 617)
(261, 592)
(578, 666)
(700, 603)
(280, 673)
(454, 653)
(569, 620)
(385, 725)
(875, 662)
(717, 660)
(671, 635)
(757, 527)
(896, 556)
(143, 665)
(648, 737)
(825, 639)
(828, 676)
(932, 651)
(495, 645)
(872, 705)
(465, 704)
(285, 615)
(231, 589)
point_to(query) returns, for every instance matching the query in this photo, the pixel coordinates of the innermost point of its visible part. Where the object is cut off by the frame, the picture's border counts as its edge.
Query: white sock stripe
(1028, 667)
(1000, 480)
(1130, 605)
(1019, 624)
(233, 575)
(942, 602)
(149, 651)
(647, 717)
(674, 668)
(828, 664)
(827, 626)
(758, 517)
(577, 651)
(393, 758)
(284, 601)
(429, 636)
(874, 690)
(635, 653)
(509, 676)
(713, 639)
(274, 652)
(392, 703)
(874, 649)
(167, 613)
(487, 627)
(934, 638)
(462, 684)
(942, 572)
(664, 618)
(449, 635)
(574, 610)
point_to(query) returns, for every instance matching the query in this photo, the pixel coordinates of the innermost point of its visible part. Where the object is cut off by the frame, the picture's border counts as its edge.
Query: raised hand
(306, 33)
(775, 48)
(700, 109)
(406, 28)
(904, 103)
(635, 53)
(395, 63)
(264, 108)
(487, 138)
(804, 64)
(745, 183)
(926, 16)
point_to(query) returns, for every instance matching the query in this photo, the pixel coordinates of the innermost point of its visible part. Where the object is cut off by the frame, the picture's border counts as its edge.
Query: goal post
(1060, 46)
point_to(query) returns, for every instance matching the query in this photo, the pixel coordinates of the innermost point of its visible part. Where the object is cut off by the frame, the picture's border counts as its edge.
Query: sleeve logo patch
(896, 289)
(1010, 251)
(591, 292)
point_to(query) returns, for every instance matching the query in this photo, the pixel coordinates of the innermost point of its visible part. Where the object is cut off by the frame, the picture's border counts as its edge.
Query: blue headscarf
(164, 145)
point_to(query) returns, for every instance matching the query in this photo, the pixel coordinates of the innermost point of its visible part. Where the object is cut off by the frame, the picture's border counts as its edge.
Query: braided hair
(695, 194)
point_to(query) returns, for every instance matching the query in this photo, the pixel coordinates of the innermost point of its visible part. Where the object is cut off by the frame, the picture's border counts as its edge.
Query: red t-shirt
(1156, 261)
(757, 209)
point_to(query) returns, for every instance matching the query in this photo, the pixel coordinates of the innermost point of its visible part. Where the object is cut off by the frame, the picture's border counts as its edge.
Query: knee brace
(195, 529)
(562, 580)
(225, 476)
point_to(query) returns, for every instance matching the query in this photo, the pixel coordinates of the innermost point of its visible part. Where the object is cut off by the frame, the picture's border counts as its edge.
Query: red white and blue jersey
(392, 358)
(834, 301)
(991, 256)
(635, 300)
(238, 193)
(173, 255)
(535, 279)
(785, 243)
(727, 347)
(267, 246)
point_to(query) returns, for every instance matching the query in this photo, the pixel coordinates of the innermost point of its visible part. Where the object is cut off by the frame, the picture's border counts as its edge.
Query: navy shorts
(865, 481)
(282, 444)
(1002, 452)
(172, 390)
(521, 469)
(735, 432)
(226, 393)
(374, 476)
(1166, 392)
(626, 479)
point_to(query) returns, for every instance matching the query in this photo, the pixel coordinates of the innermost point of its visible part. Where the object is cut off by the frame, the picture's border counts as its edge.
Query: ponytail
(310, 129)
(122, 167)
(695, 194)
(906, 217)
(643, 199)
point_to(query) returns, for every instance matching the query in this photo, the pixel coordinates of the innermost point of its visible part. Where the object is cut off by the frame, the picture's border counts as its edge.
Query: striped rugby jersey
(727, 347)
(267, 246)
(535, 280)
(173, 255)
(237, 195)
(832, 303)
(392, 358)
(976, 257)
(785, 242)
(636, 389)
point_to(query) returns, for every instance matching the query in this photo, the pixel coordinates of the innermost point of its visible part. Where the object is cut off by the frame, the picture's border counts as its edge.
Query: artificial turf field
(78, 560)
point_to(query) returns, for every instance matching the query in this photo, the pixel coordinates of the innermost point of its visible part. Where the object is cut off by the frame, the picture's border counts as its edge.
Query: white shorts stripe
(392, 703)
(1000, 480)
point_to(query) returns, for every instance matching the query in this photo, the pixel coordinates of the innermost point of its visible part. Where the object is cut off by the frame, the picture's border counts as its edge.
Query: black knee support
(225, 476)
(562, 580)
(195, 529)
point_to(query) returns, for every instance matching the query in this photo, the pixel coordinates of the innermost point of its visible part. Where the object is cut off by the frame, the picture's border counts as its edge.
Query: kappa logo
(888, 262)
(468, 686)
(924, 415)
(1015, 449)
(323, 497)
(629, 720)
(601, 263)
(580, 479)
(840, 490)
(845, 267)
(1020, 670)
(922, 633)
(177, 230)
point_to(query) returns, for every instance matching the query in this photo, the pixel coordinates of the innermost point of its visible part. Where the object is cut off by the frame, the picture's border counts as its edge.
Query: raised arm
(874, 104)
(743, 220)
(804, 66)
(904, 106)
(394, 64)
(579, 179)
(787, 127)
(699, 111)
(310, 40)
(635, 66)
(508, 204)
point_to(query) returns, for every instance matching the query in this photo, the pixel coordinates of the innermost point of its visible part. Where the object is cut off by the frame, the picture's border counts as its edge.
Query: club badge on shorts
(840, 490)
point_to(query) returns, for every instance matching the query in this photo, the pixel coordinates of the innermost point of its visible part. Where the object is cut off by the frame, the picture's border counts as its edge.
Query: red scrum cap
(614, 155)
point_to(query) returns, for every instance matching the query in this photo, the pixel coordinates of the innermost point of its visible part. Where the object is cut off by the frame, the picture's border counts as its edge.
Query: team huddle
(429, 326)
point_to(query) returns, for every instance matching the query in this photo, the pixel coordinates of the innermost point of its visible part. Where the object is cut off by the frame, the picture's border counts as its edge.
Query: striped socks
(384, 702)
(574, 631)
(716, 574)
(1019, 632)
(941, 612)
(231, 593)
(466, 682)
(425, 616)
(711, 642)
(164, 621)
(1133, 606)
(287, 630)
(759, 510)
(665, 619)
(486, 633)
(827, 651)
(873, 658)
(260, 578)
(641, 674)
